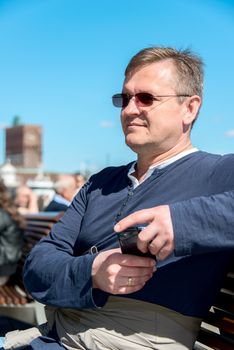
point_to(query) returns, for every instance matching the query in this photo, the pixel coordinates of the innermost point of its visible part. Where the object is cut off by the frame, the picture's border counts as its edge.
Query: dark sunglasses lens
(120, 100)
(144, 99)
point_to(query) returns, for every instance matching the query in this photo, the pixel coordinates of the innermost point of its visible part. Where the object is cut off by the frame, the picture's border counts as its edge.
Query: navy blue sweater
(199, 189)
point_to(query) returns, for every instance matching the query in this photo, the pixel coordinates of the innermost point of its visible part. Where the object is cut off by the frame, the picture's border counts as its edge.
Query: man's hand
(158, 236)
(118, 273)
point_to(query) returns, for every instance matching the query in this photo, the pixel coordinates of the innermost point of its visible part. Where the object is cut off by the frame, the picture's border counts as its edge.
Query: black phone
(128, 242)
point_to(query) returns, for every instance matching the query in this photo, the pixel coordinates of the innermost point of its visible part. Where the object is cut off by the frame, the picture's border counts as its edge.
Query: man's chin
(135, 146)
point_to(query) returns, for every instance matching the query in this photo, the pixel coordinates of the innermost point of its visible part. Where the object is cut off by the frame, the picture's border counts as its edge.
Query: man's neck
(143, 162)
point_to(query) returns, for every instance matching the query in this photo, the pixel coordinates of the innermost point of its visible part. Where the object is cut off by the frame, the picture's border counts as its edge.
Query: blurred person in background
(80, 181)
(65, 188)
(11, 235)
(26, 200)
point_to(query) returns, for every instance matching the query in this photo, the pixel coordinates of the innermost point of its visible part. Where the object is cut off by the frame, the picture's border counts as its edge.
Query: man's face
(158, 128)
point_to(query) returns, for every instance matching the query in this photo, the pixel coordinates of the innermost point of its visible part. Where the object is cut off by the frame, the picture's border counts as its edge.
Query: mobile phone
(128, 242)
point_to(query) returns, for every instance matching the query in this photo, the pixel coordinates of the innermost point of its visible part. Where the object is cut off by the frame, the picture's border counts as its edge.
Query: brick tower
(24, 146)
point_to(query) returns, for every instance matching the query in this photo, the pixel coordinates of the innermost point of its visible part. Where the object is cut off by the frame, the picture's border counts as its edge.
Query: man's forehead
(158, 72)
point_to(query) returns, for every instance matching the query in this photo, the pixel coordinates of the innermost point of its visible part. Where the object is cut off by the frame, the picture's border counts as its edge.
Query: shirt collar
(161, 165)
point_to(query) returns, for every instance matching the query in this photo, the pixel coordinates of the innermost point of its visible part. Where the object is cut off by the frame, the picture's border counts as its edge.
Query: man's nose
(132, 107)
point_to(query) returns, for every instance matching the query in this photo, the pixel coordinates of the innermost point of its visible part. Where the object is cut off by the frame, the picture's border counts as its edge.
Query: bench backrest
(217, 330)
(38, 226)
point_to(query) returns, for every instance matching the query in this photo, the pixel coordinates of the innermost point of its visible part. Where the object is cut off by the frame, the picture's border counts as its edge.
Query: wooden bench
(13, 296)
(217, 330)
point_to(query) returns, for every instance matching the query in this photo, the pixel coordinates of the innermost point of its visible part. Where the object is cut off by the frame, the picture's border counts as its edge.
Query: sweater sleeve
(204, 224)
(53, 275)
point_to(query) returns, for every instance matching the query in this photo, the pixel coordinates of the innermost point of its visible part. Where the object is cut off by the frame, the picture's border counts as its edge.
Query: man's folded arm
(204, 224)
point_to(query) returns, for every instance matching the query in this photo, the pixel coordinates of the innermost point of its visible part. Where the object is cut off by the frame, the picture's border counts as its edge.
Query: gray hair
(188, 66)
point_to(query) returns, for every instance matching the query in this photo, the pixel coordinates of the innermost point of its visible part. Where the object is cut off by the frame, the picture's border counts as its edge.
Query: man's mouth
(135, 124)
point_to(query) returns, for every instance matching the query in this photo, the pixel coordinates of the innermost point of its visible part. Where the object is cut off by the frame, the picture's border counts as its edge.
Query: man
(65, 188)
(99, 298)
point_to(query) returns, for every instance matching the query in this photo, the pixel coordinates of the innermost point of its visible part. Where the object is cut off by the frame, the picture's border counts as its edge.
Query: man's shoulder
(203, 164)
(216, 168)
(216, 159)
(113, 177)
(113, 171)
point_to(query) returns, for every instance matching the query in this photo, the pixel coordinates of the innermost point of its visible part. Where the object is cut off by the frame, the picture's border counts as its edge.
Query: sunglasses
(142, 99)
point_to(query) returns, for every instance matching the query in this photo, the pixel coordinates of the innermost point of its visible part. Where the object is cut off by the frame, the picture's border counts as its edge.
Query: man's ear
(192, 105)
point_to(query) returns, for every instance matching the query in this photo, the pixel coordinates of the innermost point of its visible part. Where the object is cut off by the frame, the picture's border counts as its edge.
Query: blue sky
(62, 60)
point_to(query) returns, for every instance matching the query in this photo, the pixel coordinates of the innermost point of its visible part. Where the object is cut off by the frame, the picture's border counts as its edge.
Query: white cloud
(107, 124)
(229, 133)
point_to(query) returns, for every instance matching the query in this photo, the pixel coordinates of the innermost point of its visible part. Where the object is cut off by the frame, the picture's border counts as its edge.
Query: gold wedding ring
(129, 281)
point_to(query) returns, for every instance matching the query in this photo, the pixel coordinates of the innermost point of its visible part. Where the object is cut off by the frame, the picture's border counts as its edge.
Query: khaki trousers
(124, 324)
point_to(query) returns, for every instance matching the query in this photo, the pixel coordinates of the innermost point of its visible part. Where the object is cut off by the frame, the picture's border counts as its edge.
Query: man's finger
(145, 237)
(136, 218)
